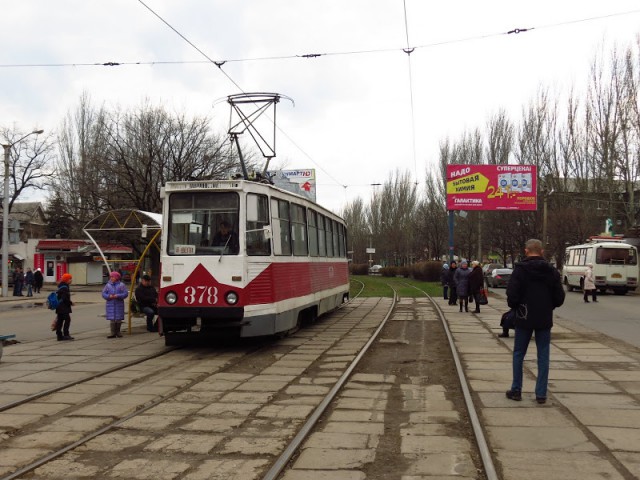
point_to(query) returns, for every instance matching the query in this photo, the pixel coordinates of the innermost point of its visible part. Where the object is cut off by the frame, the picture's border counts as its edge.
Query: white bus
(615, 265)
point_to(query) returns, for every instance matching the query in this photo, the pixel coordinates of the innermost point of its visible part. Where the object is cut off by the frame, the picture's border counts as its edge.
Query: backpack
(52, 300)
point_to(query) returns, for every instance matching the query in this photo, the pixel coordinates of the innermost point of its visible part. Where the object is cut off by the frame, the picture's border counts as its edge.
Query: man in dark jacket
(63, 310)
(147, 298)
(534, 286)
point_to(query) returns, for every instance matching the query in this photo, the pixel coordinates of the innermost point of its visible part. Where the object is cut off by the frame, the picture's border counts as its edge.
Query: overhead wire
(409, 51)
(221, 62)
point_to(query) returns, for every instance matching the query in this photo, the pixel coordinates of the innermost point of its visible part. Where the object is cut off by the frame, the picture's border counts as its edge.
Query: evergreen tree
(58, 225)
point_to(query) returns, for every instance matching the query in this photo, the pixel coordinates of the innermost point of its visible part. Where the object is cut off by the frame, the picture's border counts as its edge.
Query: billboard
(302, 182)
(491, 187)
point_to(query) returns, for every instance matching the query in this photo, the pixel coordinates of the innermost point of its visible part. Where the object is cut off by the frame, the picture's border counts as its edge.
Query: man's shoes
(476, 310)
(541, 400)
(119, 335)
(504, 335)
(60, 339)
(68, 337)
(111, 336)
(586, 301)
(596, 301)
(514, 395)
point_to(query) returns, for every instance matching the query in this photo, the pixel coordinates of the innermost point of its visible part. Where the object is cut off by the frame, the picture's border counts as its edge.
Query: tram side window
(329, 236)
(299, 230)
(196, 221)
(313, 233)
(257, 225)
(281, 227)
(322, 246)
(336, 240)
(343, 243)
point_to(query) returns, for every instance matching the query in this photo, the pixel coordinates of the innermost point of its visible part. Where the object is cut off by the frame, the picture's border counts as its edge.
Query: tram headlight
(231, 298)
(171, 298)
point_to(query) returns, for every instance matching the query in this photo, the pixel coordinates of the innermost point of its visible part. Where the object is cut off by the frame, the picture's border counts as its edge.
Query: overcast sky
(352, 120)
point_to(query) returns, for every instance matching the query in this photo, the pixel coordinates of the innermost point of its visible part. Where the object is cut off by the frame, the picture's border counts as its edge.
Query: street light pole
(5, 214)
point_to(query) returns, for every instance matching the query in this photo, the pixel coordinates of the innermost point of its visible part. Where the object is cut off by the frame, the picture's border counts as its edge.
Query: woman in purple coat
(114, 292)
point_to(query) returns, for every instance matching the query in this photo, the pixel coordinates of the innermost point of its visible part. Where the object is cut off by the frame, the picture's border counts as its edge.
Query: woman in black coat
(453, 297)
(476, 283)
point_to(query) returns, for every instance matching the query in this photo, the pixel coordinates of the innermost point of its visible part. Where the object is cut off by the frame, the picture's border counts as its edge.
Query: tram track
(230, 370)
(231, 382)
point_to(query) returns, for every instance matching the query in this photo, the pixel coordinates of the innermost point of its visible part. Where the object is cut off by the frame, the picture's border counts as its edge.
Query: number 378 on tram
(246, 259)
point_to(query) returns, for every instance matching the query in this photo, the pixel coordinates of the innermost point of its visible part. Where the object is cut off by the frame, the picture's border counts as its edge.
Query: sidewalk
(590, 425)
(81, 293)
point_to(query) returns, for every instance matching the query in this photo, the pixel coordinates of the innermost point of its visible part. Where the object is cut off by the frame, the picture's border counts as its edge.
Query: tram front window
(203, 223)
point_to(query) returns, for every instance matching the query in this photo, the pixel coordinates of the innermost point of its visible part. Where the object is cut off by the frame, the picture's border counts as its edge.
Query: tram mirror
(252, 208)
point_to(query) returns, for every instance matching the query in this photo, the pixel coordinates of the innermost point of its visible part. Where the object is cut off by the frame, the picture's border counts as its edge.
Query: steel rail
(295, 444)
(483, 447)
(49, 391)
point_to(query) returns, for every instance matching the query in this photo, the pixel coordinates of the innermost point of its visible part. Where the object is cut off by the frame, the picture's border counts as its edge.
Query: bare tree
(29, 162)
(359, 235)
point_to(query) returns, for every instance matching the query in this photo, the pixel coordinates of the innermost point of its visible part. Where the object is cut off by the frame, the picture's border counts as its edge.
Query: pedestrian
(114, 292)
(147, 298)
(461, 278)
(476, 283)
(63, 310)
(38, 280)
(28, 280)
(18, 282)
(444, 280)
(453, 297)
(589, 286)
(534, 288)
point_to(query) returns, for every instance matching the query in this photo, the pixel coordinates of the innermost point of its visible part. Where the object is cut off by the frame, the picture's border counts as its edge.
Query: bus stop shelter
(140, 229)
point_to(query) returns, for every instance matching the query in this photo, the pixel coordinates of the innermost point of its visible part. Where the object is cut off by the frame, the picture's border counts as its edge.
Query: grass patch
(377, 286)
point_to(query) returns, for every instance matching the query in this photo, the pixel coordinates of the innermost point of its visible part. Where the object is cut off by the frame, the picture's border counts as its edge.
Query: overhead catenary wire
(309, 56)
(409, 51)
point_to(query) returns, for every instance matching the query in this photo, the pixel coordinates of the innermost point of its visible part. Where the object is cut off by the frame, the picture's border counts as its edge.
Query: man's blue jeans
(543, 345)
(150, 313)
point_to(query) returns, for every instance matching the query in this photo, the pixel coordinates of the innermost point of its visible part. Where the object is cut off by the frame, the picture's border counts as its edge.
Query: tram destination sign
(491, 187)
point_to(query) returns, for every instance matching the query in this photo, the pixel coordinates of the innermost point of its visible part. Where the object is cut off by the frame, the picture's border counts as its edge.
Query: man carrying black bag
(534, 291)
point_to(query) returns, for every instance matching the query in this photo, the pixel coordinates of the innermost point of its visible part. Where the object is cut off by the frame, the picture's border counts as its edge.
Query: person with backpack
(114, 292)
(63, 308)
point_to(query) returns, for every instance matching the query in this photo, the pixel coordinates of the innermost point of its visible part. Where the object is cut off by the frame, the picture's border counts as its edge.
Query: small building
(80, 258)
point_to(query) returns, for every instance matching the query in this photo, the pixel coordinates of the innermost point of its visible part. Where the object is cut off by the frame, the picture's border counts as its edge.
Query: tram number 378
(201, 294)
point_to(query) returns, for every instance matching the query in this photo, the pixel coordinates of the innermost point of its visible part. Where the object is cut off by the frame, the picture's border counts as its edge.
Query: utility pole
(5, 213)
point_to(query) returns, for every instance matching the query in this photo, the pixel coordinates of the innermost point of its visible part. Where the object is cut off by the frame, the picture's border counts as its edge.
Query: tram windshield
(203, 223)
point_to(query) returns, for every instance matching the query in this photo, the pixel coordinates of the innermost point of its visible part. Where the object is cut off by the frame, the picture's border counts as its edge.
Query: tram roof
(125, 219)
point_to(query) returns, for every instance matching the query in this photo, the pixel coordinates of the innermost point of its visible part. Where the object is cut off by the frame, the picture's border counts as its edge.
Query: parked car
(489, 267)
(499, 277)
(375, 269)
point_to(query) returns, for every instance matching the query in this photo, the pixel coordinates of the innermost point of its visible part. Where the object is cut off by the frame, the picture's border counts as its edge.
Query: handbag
(506, 321)
(482, 297)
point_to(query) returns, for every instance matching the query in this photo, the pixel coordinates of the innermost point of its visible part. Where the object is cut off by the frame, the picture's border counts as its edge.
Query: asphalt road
(614, 315)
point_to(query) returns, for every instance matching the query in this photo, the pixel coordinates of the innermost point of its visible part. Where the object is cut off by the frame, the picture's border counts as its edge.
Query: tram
(246, 258)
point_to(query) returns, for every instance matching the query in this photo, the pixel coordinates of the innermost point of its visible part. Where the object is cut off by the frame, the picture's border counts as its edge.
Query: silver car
(499, 277)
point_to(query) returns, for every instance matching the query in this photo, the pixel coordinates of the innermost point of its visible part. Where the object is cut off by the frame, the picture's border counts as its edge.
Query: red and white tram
(247, 258)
